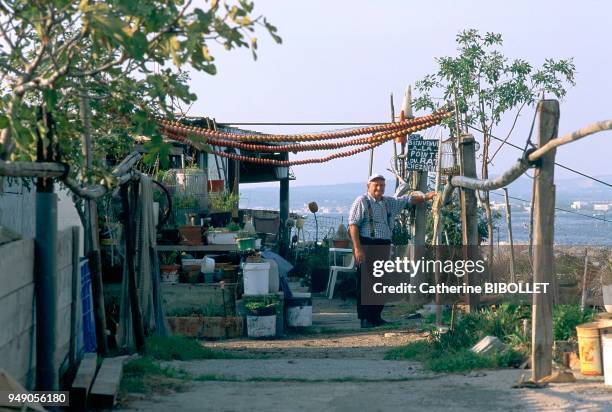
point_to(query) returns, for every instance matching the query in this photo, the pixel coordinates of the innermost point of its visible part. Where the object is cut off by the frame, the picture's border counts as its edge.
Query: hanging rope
(274, 162)
(178, 127)
(377, 138)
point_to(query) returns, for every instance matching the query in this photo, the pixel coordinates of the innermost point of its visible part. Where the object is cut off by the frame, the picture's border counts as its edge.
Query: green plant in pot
(245, 240)
(341, 238)
(263, 307)
(221, 206)
(317, 266)
(169, 270)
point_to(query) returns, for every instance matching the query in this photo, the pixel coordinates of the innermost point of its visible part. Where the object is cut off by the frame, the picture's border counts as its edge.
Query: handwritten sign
(422, 154)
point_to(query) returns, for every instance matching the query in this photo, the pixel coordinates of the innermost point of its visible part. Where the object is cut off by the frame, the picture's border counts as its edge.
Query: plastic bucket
(606, 344)
(261, 326)
(299, 310)
(256, 278)
(589, 348)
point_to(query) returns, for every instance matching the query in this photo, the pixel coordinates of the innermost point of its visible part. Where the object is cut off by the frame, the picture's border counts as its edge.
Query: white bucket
(256, 278)
(299, 316)
(299, 310)
(606, 349)
(261, 326)
(606, 291)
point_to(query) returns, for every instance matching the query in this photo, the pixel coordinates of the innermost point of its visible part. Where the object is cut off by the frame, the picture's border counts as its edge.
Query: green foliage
(147, 375)
(126, 56)
(400, 235)
(180, 348)
(257, 305)
(487, 84)
(567, 317)
(168, 258)
(452, 360)
(224, 202)
(451, 215)
(184, 202)
(233, 227)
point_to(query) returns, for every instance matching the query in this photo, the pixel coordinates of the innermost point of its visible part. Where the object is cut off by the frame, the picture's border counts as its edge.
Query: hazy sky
(340, 60)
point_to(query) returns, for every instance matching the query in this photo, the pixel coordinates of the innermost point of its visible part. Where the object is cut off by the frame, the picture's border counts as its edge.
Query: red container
(216, 185)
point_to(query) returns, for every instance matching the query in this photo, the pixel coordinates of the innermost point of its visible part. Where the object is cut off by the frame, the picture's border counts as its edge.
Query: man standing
(370, 226)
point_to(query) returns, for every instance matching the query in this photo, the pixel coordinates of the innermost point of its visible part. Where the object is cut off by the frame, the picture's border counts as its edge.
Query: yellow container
(590, 348)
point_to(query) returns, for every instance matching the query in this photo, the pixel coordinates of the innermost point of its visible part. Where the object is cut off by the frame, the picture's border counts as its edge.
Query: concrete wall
(18, 207)
(18, 307)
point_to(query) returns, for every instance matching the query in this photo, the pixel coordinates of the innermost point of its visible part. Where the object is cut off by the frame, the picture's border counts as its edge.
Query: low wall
(18, 307)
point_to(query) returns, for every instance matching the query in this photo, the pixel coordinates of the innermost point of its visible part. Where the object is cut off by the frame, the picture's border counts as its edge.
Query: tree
(125, 55)
(485, 85)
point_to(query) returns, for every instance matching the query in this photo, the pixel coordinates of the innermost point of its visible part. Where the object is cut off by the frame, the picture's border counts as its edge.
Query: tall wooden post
(509, 225)
(90, 237)
(469, 212)
(543, 240)
(283, 230)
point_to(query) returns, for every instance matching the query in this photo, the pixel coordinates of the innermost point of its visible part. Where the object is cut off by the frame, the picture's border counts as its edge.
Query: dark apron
(373, 249)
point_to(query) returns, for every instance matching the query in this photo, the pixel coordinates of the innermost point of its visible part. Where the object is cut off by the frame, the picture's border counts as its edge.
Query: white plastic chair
(334, 270)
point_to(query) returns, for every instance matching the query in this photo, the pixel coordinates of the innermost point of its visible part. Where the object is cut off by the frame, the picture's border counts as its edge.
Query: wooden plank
(82, 382)
(201, 248)
(543, 240)
(106, 386)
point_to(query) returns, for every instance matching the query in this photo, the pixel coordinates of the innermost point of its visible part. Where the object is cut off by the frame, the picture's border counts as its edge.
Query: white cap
(376, 176)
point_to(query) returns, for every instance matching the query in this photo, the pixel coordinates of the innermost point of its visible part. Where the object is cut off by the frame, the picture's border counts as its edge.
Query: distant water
(334, 203)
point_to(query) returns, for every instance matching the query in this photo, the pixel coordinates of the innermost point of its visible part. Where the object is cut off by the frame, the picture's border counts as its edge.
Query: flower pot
(169, 273)
(221, 238)
(247, 243)
(220, 219)
(191, 235)
(341, 243)
(261, 326)
(191, 274)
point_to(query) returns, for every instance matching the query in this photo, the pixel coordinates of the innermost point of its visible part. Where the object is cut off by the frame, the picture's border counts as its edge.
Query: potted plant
(341, 238)
(168, 268)
(245, 241)
(317, 266)
(261, 318)
(221, 206)
(223, 236)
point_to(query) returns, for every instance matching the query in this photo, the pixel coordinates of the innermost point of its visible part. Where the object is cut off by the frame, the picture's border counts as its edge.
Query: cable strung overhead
(382, 133)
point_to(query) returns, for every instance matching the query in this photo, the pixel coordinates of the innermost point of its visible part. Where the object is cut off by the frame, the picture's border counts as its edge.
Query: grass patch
(181, 348)
(451, 360)
(146, 375)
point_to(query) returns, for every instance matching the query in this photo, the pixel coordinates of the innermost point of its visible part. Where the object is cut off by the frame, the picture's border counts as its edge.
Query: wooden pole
(137, 323)
(543, 240)
(90, 238)
(394, 144)
(509, 224)
(284, 212)
(584, 280)
(469, 213)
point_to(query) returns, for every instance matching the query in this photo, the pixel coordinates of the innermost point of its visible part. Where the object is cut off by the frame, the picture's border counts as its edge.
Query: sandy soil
(343, 369)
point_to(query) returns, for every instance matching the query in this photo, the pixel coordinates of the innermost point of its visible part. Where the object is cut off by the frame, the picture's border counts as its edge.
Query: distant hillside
(337, 198)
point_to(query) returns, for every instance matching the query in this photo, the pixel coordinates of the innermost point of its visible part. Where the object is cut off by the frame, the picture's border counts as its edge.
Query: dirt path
(342, 369)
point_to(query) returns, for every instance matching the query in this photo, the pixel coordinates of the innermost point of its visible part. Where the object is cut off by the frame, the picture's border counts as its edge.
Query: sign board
(422, 154)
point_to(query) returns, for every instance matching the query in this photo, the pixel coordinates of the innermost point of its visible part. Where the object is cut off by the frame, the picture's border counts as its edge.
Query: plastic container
(589, 349)
(208, 265)
(221, 238)
(261, 326)
(299, 310)
(606, 344)
(246, 243)
(256, 278)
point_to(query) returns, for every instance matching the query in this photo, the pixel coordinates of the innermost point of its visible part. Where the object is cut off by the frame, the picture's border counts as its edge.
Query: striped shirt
(384, 212)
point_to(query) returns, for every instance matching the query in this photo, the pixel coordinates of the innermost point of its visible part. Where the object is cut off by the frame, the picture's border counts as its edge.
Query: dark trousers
(374, 249)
